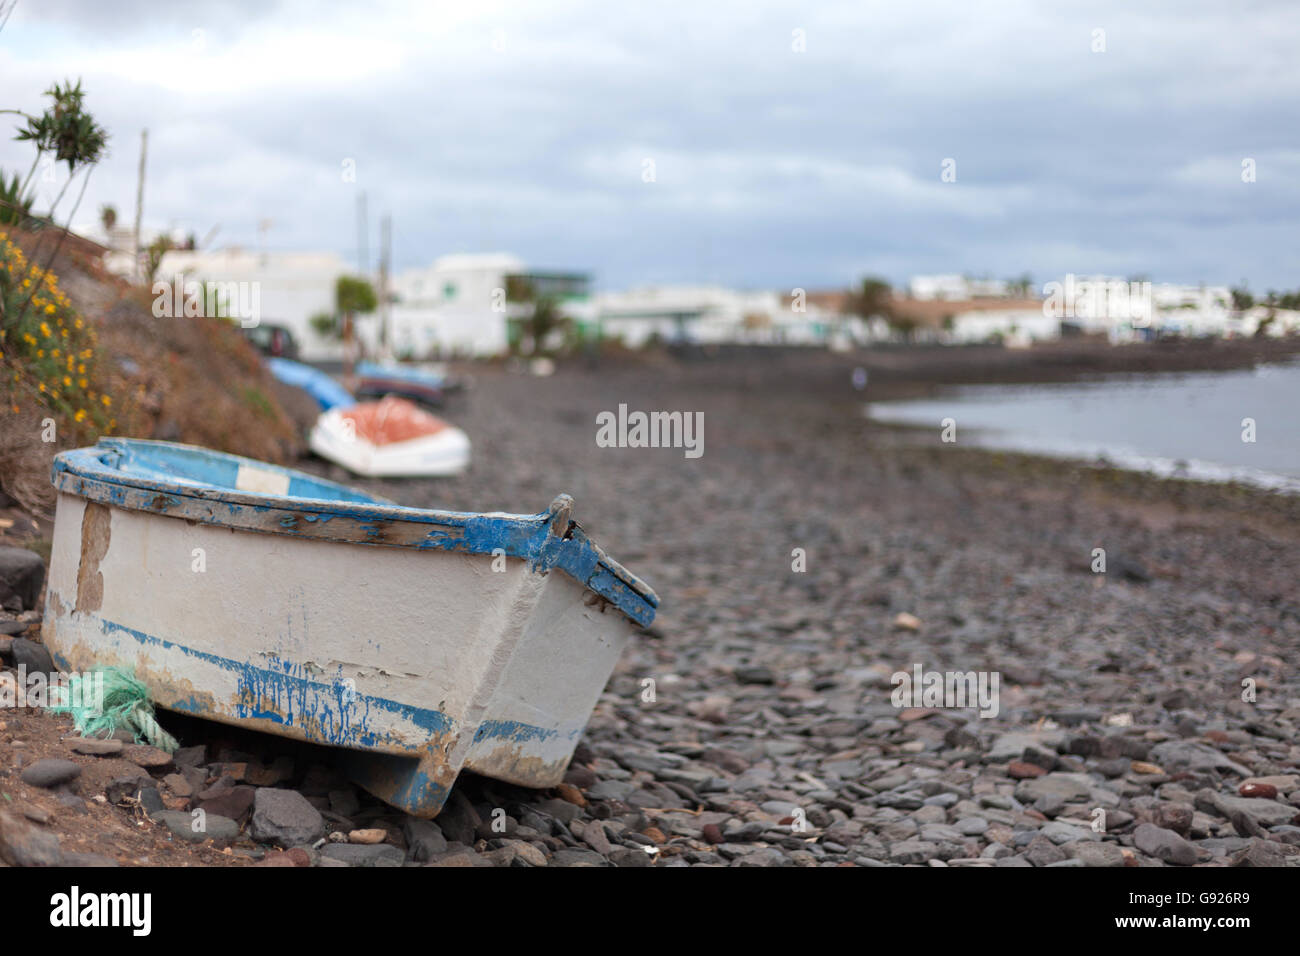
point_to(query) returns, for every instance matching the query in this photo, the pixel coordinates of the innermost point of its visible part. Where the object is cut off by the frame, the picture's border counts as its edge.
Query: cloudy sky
(788, 144)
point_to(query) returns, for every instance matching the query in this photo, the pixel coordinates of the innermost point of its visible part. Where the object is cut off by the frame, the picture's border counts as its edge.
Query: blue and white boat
(424, 642)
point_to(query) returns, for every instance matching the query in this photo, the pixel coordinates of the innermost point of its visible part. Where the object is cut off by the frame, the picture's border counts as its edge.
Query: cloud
(526, 127)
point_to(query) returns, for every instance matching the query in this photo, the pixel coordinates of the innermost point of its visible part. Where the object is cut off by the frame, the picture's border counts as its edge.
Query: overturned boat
(424, 642)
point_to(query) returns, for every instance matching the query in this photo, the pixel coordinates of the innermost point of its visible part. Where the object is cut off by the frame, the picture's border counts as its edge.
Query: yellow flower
(67, 382)
(80, 416)
(81, 368)
(107, 401)
(45, 330)
(49, 309)
(81, 383)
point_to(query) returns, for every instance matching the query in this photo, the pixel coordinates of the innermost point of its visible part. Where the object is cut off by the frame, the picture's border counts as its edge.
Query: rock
(1059, 831)
(1164, 845)
(368, 837)
(459, 820)
(1021, 770)
(555, 807)
(1039, 756)
(907, 622)
(354, 854)
(1265, 791)
(457, 857)
(198, 827)
(1283, 782)
(1041, 851)
(1260, 853)
(571, 794)
(151, 800)
(22, 573)
(263, 775)
(577, 857)
(593, 834)
(285, 818)
(32, 656)
(191, 756)
(24, 844)
(913, 851)
(728, 760)
(1115, 767)
(1173, 816)
(1189, 755)
(143, 755)
(1129, 569)
(628, 857)
(765, 857)
(1095, 854)
(1050, 805)
(96, 746)
(51, 772)
(754, 675)
(234, 802)
(527, 853)
(424, 839)
(1068, 787)
(1266, 813)
(610, 790)
(178, 785)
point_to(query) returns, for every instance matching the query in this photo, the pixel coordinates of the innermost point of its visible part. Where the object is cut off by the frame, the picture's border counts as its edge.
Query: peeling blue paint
(515, 731)
(329, 712)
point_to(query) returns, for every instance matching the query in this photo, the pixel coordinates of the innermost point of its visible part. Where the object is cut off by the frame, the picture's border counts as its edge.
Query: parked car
(274, 340)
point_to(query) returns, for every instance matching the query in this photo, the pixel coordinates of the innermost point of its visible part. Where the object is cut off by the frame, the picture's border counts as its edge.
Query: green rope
(109, 699)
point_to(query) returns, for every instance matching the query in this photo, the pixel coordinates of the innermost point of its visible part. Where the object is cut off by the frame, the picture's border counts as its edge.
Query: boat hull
(421, 661)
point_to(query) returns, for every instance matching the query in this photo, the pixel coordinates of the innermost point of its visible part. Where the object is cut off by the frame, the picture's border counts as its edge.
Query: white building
(1011, 326)
(468, 304)
(955, 288)
(287, 287)
(706, 315)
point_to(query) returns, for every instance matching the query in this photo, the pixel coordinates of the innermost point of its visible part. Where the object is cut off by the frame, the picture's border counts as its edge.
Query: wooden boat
(390, 438)
(424, 642)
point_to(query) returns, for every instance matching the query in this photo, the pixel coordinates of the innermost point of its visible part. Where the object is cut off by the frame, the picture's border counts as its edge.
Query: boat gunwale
(548, 539)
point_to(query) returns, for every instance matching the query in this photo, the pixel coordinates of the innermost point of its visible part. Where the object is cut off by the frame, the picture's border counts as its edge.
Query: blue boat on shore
(424, 642)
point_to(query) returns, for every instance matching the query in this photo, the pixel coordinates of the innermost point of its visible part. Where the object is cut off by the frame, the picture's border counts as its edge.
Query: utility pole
(385, 264)
(139, 201)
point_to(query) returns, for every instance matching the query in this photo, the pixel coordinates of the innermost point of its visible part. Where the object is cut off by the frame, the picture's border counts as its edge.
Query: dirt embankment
(189, 379)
